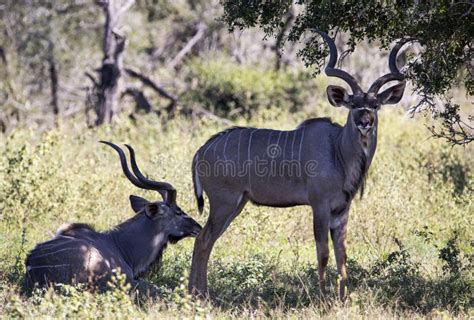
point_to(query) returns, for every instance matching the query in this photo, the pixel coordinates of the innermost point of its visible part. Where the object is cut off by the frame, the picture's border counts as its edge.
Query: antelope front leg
(338, 236)
(321, 230)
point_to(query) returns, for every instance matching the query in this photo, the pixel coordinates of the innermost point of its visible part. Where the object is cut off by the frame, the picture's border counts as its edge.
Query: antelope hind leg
(223, 209)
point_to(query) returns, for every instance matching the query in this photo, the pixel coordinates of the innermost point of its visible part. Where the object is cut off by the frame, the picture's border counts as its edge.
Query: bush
(228, 89)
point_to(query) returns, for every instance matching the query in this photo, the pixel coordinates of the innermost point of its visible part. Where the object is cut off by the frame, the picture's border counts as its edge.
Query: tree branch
(92, 78)
(124, 8)
(201, 27)
(141, 101)
(201, 111)
(150, 83)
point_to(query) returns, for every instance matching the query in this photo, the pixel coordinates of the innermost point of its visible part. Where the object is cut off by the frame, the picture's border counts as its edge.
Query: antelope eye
(162, 210)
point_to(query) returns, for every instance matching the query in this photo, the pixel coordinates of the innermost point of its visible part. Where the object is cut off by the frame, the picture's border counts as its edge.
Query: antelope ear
(153, 210)
(392, 95)
(338, 96)
(138, 203)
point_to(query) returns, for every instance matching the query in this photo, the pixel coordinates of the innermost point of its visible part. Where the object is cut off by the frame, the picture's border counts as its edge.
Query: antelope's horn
(395, 74)
(167, 191)
(330, 69)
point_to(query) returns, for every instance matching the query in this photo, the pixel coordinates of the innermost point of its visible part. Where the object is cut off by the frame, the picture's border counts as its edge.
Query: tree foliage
(444, 29)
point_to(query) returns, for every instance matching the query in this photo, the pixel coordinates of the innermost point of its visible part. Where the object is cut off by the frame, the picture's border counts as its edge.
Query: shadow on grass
(269, 282)
(264, 281)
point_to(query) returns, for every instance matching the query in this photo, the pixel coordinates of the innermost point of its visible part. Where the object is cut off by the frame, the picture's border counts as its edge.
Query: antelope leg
(321, 214)
(223, 209)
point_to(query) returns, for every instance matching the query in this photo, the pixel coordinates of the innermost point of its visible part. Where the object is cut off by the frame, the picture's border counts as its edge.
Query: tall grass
(410, 238)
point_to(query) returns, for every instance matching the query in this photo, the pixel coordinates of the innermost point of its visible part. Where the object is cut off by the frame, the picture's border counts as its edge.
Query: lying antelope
(79, 254)
(320, 164)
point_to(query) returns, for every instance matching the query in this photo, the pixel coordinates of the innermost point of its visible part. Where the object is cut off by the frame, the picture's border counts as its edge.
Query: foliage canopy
(444, 29)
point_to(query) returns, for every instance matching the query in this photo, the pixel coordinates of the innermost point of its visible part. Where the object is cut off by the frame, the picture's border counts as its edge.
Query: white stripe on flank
(225, 144)
(238, 149)
(270, 170)
(211, 144)
(278, 141)
(269, 138)
(215, 146)
(301, 145)
(50, 253)
(293, 143)
(52, 245)
(284, 146)
(248, 152)
(272, 173)
(29, 268)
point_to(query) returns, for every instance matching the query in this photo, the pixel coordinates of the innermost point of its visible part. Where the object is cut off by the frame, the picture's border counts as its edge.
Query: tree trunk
(289, 19)
(53, 75)
(110, 74)
(112, 64)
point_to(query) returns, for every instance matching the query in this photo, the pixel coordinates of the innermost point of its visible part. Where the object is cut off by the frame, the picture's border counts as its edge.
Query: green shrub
(227, 88)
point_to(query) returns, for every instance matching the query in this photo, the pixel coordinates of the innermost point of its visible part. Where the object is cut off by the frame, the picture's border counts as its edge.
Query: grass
(410, 238)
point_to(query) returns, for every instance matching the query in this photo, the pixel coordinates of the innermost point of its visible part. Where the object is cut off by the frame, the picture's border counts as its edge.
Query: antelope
(320, 164)
(80, 255)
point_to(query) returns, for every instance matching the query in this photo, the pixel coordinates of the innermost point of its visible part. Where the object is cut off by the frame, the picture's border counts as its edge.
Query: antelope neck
(139, 243)
(354, 153)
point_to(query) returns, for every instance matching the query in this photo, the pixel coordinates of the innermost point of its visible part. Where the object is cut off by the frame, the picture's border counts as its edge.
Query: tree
(41, 49)
(107, 88)
(112, 64)
(444, 29)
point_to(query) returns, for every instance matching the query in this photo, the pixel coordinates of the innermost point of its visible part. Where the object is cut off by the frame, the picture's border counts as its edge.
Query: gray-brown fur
(80, 255)
(320, 164)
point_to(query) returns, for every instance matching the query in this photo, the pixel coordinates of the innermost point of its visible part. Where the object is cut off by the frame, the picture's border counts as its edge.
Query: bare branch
(71, 111)
(201, 111)
(141, 100)
(124, 8)
(201, 27)
(92, 78)
(452, 127)
(150, 83)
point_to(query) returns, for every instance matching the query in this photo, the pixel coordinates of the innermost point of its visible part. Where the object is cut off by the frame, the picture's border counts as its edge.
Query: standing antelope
(79, 254)
(320, 164)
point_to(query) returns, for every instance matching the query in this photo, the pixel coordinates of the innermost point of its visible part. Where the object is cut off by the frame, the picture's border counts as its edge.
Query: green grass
(409, 239)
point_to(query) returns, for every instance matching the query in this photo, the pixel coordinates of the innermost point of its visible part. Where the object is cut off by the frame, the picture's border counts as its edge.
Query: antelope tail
(197, 184)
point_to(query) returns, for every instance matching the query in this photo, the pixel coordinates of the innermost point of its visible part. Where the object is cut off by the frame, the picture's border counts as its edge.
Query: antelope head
(166, 216)
(363, 106)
